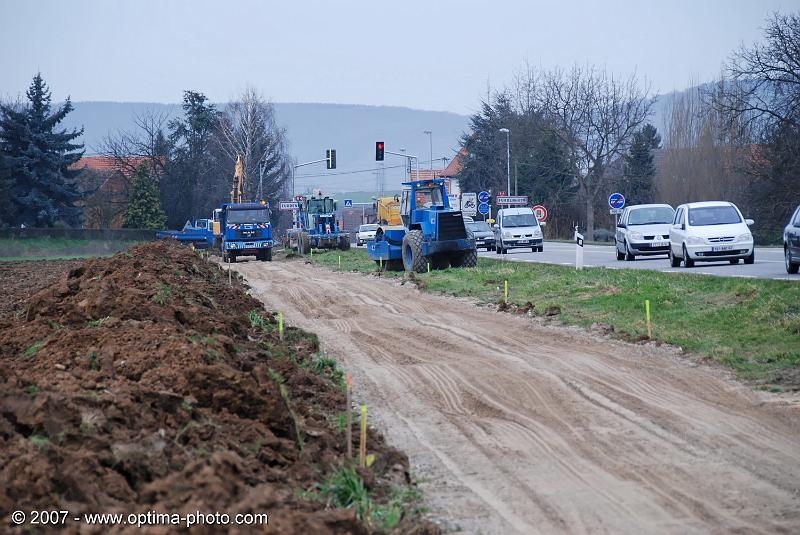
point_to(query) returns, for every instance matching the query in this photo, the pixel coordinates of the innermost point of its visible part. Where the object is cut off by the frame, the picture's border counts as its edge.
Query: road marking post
(505, 291)
(348, 379)
(362, 447)
(340, 261)
(230, 277)
(578, 249)
(380, 264)
(280, 324)
(429, 267)
(647, 314)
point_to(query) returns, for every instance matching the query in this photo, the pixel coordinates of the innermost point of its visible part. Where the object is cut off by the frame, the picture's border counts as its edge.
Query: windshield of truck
(319, 206)
(254, 215)
(519, 220)
(429, 197)
(713, 215)
(479, 226)
(656, 215)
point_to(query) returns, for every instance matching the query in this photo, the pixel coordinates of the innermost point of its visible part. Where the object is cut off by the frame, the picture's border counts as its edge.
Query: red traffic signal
(379, 151)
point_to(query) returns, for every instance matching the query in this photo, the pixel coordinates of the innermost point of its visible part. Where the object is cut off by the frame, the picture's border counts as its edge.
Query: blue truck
(243, 229)
(433, 234)
(199, 233)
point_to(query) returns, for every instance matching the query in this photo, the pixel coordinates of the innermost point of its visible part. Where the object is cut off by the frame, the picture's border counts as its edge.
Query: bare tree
(247, 128)
(146, 141)
(592, 112)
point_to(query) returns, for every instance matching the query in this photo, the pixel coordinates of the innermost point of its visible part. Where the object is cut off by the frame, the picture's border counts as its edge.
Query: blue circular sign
(483, 197)
(483, 208)
(616, 200)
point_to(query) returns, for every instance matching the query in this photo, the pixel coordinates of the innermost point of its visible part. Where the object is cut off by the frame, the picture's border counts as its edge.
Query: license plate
(722, 248)
(523, 242)
(660, 244)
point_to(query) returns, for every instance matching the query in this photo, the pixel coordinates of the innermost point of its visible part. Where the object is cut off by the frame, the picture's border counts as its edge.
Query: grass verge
(749, 325)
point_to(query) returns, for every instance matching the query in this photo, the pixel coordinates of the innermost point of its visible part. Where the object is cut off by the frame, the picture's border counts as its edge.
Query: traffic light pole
(409, 157)
(297, 165)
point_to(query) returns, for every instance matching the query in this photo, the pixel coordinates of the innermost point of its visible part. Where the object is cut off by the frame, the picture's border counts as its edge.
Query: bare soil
(137, 383)
(518, 426)
(20, 280)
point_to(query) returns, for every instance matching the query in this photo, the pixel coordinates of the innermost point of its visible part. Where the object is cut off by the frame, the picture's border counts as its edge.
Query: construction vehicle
(432, 234)
(198, 233)
(387, 210)
(316, 226)
(245, 230)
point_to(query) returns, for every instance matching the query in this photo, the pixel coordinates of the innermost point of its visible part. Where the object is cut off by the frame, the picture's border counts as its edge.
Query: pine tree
(6, 193)
(144, 206)
(639, 166)
(38, 157)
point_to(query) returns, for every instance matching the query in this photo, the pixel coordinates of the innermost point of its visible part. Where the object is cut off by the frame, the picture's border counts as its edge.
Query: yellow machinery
(388, 210)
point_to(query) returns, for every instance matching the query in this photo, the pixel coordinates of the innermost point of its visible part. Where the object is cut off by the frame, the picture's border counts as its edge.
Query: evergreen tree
(144, 206)
(639, 166)
(38, 158)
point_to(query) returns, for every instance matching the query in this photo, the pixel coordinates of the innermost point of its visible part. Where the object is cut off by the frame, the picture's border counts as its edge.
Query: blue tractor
(317, 226)
(244, 230)
(432, 234)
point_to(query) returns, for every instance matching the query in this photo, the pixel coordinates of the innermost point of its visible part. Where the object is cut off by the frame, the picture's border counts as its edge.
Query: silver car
(643, 229)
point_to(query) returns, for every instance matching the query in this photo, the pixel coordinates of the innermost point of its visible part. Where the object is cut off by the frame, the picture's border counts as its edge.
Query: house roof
(107, 163)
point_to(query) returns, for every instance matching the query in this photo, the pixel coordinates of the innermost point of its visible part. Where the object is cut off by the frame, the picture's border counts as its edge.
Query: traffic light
(330, 157)
(379, 151)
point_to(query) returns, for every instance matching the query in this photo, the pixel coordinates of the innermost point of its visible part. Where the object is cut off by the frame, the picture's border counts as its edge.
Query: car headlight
(537, 233)
(694, 240)
(635, 235)
(744, 237)
(506, 234)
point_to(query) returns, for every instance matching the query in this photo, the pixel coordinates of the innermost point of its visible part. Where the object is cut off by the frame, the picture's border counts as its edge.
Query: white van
(711, 231)
(517, 228)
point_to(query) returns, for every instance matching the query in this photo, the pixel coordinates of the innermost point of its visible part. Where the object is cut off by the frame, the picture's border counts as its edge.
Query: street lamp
(507, 132)
(430, 138)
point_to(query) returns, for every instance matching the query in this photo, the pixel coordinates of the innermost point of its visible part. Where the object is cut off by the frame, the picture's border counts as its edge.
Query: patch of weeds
(40, 441)
(98, 323)
(162, 295)
(257, 321)
(340, 422)
(329, 367)
(87, 426)
(91, 361)
(56, 326)
(32, 389)
(186, 405)
(345, 488)
(32, 349)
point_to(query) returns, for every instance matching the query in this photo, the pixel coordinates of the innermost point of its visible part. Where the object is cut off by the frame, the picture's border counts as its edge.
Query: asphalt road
(768, 265)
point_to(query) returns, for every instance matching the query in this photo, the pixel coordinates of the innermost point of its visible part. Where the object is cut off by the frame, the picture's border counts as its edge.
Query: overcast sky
(428, 54)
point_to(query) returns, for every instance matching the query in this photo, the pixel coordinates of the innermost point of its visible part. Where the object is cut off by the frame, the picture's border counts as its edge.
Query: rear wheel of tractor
(412, 252)
(468, 259)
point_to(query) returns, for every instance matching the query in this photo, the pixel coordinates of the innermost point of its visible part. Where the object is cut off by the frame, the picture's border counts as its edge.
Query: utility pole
(507, 132)
(516, 177)
(430, 138)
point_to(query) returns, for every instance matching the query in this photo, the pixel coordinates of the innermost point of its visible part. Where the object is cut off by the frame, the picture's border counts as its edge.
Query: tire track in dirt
(528, 428)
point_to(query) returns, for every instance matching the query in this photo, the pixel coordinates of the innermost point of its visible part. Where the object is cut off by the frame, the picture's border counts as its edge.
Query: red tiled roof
(106, 163)
(453, 168)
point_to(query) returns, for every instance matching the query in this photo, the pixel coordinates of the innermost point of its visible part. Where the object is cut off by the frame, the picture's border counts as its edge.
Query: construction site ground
(519, 425)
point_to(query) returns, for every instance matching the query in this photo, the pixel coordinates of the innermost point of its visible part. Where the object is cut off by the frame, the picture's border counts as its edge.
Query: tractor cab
(419, 198)
(321, 214)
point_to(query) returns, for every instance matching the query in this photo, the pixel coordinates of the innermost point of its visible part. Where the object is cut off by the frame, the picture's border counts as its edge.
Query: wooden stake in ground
(647, 314)
(349, 426)
(362, 447)
(230, 277)
(280, 325)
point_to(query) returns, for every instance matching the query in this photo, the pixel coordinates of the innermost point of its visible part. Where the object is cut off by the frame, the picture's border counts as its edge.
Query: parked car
(483, 234)
(708, 232)
(643, 229)
(366, 233)
(791, 243)
(517, 228)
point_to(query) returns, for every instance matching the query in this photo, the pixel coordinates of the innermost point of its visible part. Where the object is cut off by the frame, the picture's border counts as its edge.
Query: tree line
(171, 169)
(578, 134)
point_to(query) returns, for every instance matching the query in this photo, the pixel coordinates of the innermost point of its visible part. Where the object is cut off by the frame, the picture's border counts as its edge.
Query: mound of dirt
(139, 383)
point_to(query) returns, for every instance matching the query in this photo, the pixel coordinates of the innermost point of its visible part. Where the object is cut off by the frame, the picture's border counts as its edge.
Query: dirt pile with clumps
(144, 382)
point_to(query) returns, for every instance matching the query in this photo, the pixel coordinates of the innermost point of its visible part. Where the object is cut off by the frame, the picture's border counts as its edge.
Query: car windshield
(479, 226)
(713, 215)
(519, 220)
(651, 216)
(366, 228)
(256, 215)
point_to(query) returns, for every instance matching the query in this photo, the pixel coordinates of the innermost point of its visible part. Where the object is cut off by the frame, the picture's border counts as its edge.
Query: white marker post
(578, 249)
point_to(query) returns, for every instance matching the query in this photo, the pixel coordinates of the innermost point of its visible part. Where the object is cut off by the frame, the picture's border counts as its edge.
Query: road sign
(483, 208)
(483, 197)
(454, 202)
(289, 205)
(507, 199)
(616, 200)
(469, 203)
(615, 211)
(300, 198)
(348, 203)
(540, 212)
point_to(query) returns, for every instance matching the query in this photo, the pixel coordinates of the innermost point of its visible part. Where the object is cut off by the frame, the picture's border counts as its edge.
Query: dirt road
(521, 427)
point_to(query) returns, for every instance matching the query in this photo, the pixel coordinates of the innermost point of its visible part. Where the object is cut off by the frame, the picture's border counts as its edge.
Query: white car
(366, 233)
(643, 229)
(517, 228)
(710, 231)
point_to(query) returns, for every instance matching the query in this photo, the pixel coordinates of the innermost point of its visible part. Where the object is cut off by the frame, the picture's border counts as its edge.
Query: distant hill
(350, 129)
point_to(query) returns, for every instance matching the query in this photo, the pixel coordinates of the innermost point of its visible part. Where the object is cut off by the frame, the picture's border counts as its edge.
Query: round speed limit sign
(540, 212)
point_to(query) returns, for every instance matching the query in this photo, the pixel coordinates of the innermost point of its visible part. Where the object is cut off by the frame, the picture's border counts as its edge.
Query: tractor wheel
(344, 243)
(412, 252)
(303, 243)
(468, 258)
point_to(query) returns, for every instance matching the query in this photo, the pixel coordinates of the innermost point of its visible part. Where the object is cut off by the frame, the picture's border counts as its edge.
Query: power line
(371, 170)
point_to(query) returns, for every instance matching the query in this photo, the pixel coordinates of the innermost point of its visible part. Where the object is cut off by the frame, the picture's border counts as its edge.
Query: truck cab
(245, 230)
